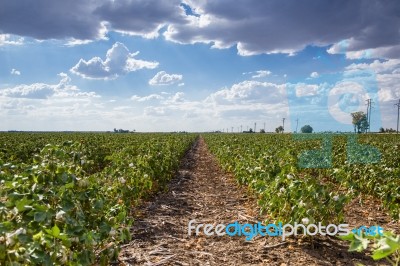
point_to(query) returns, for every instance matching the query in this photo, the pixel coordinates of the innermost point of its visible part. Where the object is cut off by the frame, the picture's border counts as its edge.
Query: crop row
(312, 176)
(59, 207)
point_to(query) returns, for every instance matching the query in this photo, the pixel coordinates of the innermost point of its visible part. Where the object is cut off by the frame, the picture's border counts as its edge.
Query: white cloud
(261, 74)
(386, 52)
(360, 29)
(43, 91)
(344, 96)
(387, 75)
(118, 62)
(256, 27)
(7, 39)
(147, 98)
(306, 89)
(379, 67)
(176, 98)
(155, 111)
(314, 75)
(163, 78)
(250, 91)
(15, 72)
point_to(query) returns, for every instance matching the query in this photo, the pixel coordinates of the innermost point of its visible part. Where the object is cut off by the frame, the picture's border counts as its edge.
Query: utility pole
(264, 126)
(369, 106)
(255, 124)
(283, 120)
(297, 124)
(368, 109)
(398, 112)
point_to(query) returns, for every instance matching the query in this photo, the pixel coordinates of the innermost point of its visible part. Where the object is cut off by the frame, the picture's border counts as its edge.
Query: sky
(168, 65)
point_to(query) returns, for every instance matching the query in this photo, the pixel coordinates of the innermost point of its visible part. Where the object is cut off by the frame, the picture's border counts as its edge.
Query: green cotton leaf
(348, 237)
(63, 237)
(37, 236)
(358, 244)
(355, 246)
(40, 216)
(23, 204)
(387, 246)
(66, 242)
(98, 205)
(69, 185)
(3, 252)
(55, 231)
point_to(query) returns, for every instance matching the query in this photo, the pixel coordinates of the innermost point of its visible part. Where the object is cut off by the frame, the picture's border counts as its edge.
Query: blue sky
(197, 65)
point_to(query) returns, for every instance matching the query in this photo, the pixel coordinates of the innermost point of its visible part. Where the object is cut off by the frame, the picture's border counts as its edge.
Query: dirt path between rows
(202, 191)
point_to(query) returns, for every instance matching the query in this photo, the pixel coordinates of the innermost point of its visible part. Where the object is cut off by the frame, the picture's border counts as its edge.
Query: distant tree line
(387, 130)
(122, 131)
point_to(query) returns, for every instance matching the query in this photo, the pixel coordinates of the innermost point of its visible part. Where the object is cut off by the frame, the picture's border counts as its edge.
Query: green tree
(360, 122)
(306, 129)
(279, 129)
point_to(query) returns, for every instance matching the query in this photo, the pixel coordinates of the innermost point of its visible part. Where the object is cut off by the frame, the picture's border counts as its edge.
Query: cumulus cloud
(156, 111)
(272, 27)
(306, 89)
(385, 72)
(118, 62)
(258, 73)
(15, 72)
(44, 91)
(7, 39)
(314, 75)
(137, 98)
(359, 28)
(77, 20)
(249, 91)
(163, 78)
(379, 67)
(63, 19)
(176, 98)
(144, 18)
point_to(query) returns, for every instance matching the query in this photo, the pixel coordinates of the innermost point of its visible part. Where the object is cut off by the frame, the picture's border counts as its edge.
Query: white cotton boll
(112, 232)
(305, 220)
(336, 198)
(60, 215)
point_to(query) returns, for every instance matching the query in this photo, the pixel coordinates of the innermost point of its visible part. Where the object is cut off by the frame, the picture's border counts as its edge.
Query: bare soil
(201, 191)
